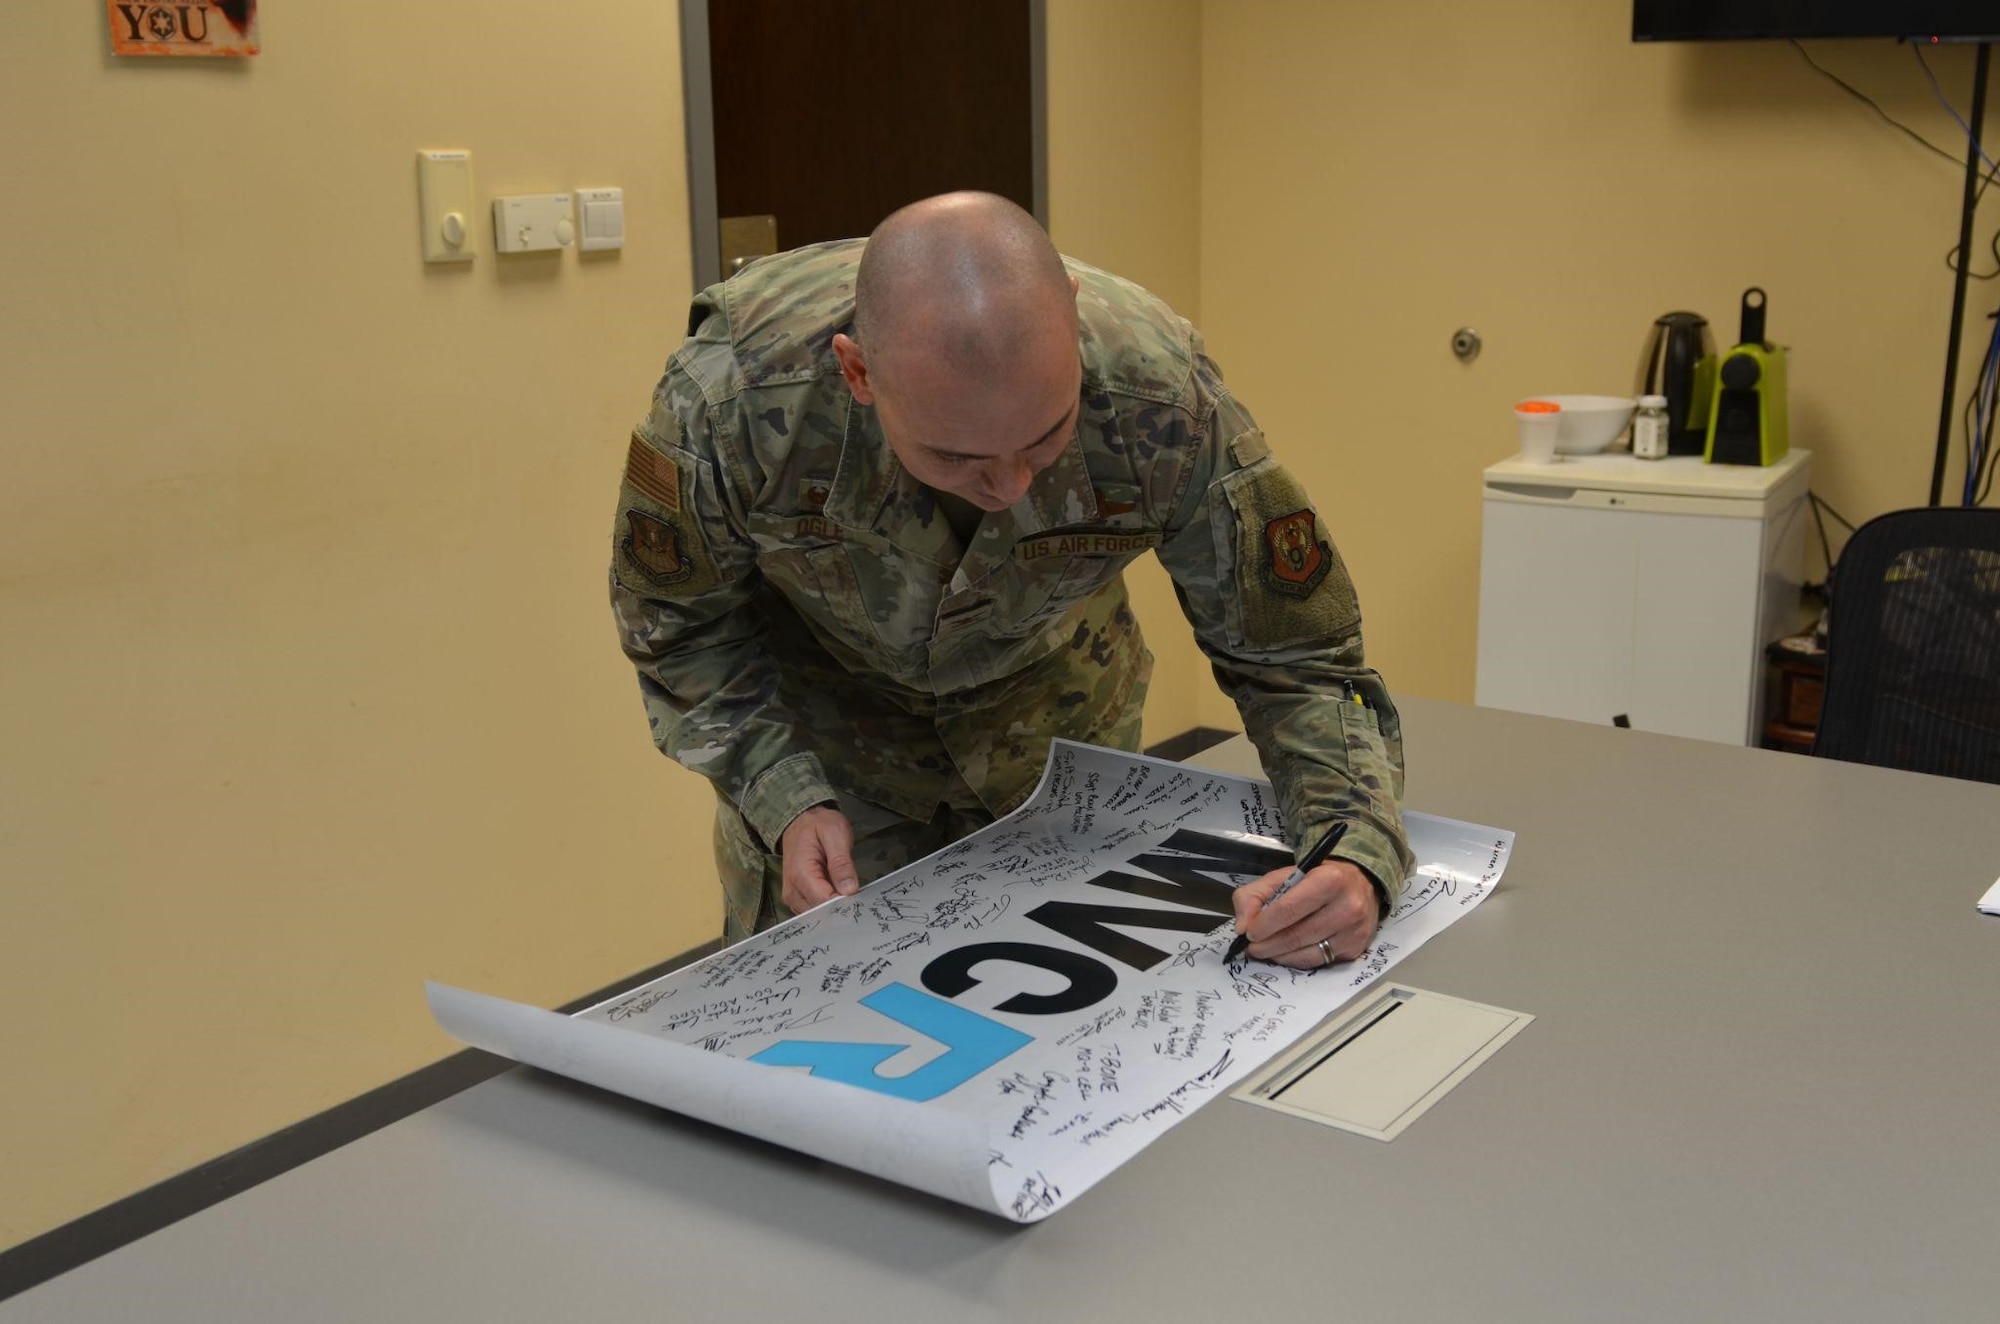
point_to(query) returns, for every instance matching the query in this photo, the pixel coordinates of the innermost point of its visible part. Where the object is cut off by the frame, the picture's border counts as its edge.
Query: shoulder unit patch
(654, 546)
(1298, 560)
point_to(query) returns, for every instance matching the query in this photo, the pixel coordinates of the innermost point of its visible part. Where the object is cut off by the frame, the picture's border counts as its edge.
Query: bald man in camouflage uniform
(867, 563)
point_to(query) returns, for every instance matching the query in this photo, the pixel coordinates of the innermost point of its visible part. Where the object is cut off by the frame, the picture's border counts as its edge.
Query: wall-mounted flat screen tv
(1749, 20)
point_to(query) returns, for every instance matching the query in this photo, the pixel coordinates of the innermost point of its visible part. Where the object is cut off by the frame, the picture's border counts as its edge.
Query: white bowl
(1589, 422)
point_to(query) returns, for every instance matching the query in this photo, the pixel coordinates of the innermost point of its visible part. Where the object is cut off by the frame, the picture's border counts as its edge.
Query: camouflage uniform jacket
(802, 614)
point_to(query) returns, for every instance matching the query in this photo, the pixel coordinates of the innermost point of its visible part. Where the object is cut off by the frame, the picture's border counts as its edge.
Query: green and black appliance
(1747, 415)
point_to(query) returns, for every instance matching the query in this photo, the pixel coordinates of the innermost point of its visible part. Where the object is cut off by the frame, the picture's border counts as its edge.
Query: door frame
(698, 95)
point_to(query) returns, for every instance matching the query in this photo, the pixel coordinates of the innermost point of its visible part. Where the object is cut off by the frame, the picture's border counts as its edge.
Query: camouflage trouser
(753, 879)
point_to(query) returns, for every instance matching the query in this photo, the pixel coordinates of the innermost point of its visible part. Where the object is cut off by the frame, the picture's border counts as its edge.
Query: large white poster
(1007, 1021)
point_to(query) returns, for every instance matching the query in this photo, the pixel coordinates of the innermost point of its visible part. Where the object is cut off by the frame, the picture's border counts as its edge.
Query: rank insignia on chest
(655, 547)
(1299, 560)
(1107, 508)
(813, 493)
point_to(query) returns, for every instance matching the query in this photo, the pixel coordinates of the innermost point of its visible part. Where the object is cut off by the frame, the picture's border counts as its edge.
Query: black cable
(1975, 477)
(1965, 423)
(1951, 254)
(1967, 218)
(1839, 518)
(1869, 101)
(1982, 477)
(1825, 549)
(1951, 257)
(1937, 88)
(1982, 481)
(1980, 387)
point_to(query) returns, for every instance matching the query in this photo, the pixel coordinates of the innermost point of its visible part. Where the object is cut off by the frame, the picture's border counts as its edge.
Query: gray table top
(1762, 1085)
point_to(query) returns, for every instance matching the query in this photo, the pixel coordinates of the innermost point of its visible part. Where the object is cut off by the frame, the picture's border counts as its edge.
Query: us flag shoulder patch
(652, 474)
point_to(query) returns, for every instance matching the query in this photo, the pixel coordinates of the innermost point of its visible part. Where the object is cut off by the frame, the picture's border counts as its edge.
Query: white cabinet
(1612, 587)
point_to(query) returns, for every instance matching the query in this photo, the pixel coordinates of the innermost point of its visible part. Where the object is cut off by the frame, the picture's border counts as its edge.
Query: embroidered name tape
(1085, 544)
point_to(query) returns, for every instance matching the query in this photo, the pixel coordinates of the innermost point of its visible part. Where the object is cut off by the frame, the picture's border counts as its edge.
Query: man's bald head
(967, 348)
(968, 281)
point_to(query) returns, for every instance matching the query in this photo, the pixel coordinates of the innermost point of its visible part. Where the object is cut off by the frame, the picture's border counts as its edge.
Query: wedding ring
(1326, 950)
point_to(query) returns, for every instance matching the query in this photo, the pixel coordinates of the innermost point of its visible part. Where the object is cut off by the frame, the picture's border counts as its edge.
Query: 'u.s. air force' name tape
(1084, 544)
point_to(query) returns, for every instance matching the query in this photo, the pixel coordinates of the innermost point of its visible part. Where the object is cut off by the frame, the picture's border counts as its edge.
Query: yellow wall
(308, 687)
(309, 690)
(1124, 83)
(1375, 176)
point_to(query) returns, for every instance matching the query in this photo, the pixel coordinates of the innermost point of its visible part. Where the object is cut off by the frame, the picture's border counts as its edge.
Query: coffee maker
(1680, 365)
(1748, 417)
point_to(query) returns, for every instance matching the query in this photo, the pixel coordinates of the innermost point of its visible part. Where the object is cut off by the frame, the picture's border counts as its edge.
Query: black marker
(1313, 860)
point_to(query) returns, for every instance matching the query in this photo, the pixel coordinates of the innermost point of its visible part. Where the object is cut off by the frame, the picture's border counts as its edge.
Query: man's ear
(854, 367)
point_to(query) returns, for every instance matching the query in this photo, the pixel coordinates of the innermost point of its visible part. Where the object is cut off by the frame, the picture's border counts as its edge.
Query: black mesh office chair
(1913, 645)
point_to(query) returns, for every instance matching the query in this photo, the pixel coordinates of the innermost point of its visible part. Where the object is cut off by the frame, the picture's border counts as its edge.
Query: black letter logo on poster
(1299, 561)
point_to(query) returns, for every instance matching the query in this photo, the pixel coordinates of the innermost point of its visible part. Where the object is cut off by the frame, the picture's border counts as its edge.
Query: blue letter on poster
(972, 1044)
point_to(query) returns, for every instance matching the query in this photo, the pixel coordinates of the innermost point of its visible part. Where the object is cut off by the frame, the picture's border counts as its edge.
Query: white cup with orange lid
(1539, 420)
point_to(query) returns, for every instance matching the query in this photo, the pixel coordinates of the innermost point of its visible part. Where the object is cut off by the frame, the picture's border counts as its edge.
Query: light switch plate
(444, 203)
(533, 223)
(602, 220)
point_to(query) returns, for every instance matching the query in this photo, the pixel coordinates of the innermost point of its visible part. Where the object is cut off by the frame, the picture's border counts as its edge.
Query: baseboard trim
(1189, 743)
(143, 1213)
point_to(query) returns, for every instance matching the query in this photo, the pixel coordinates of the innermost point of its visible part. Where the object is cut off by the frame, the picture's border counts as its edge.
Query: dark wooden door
(830, 114)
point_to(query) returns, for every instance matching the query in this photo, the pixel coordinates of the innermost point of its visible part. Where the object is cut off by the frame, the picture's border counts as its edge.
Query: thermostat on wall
(532, 223)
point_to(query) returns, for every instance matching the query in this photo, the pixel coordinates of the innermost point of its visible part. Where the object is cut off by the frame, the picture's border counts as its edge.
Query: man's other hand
(819, 858)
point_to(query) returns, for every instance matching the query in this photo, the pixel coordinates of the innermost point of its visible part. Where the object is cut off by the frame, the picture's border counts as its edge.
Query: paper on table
(931, 1149)
(1012, 1017)
(1990, 903)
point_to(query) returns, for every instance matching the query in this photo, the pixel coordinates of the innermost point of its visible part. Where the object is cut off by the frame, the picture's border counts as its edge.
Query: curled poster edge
(943, 1153)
